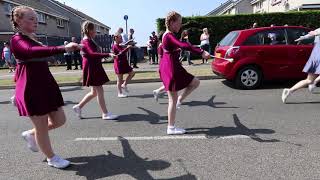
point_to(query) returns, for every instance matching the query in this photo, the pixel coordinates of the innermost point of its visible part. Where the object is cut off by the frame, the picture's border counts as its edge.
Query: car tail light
(231, 53)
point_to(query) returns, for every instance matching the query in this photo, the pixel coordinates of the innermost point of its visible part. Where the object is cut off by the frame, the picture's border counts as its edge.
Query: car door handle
(260, 52)
(301, 52)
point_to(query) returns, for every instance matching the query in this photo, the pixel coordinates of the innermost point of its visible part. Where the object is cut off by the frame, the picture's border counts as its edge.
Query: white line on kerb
(156, 138)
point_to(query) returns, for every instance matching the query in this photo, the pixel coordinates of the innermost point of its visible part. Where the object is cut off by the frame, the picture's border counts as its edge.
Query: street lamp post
(126, 17)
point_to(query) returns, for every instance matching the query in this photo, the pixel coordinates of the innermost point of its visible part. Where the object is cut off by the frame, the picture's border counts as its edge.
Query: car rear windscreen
(229, 39)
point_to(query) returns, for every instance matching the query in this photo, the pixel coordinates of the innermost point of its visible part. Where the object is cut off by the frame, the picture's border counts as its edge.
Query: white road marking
(157, 138)
(235, 137)
(153, 138)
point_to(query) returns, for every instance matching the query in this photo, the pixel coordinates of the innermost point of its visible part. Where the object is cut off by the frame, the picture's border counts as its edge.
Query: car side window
(274, 37)
(254, 40)
(294, 34)
(269, 37)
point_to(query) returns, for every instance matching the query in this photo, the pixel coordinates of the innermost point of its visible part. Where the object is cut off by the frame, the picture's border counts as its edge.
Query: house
(76, 18)
(57, 23)
(263, 6)
(232, 7)
(268, 6)
(56, 20)
(51, 22)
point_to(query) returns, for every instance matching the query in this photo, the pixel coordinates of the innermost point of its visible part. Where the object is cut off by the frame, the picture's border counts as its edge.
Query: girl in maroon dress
(37, 94)
(162, 89)
(94, 75)
(121, 65)
(172, 74)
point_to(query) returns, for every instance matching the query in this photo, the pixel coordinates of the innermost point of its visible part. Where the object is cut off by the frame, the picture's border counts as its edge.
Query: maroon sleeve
(117, 51)
(184, 45)
(27, 50)
(89, 51)
(124, 51)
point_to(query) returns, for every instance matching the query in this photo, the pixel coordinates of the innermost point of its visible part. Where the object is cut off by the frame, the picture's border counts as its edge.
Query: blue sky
(142, 13)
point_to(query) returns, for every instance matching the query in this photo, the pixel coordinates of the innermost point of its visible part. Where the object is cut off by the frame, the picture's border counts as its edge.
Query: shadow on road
(91, 118)
(102, 166)
(239, 129)
(143, 96)
(209, 103)
(151, 117)
(309, 102)
(5, 102)
(70, 103)
(69, 89)
(146, 96)
(267, 84)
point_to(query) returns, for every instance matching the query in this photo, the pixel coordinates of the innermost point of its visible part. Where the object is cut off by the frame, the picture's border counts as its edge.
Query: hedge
(219, 26)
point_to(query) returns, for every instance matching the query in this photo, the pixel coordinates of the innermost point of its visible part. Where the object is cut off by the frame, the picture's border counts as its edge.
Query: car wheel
(249, 77)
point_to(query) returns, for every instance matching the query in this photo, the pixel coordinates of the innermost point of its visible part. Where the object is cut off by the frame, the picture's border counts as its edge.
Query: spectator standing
(8, 57)
(205, 42)
(67, 57)
(154, 43)
(77, 60)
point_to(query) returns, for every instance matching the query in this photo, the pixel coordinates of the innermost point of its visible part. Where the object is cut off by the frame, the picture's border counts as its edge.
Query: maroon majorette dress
(172, 74)
(93, 71)
(37, 92)
(121, 64)
(160, 51)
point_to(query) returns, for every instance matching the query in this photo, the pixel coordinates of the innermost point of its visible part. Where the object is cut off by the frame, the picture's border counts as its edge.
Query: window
(41, 18)
(294, 34)
(275, 2)
(98, 29)
(8, 8)
(229, 39)
(60, 23)
(260, 5)
(237, 10)
(254, 40)
(269, 37)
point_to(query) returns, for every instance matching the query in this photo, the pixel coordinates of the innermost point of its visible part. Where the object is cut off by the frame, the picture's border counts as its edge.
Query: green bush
(219, 26)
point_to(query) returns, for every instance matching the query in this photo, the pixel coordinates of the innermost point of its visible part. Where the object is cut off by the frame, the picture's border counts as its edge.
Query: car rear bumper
(222, 68)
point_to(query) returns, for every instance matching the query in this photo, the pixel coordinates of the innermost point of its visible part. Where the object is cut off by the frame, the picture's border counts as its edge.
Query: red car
(247, 57)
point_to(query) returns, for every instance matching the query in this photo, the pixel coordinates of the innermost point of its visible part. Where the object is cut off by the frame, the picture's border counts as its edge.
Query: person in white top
(8, 57)
(149, 50)
(312, 68)
(124, 36)
(205, 42)
(67, 57)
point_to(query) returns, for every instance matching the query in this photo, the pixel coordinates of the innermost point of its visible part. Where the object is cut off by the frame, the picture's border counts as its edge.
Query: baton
(228, 59)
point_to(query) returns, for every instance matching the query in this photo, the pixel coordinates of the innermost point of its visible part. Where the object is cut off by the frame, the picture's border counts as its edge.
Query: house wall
(50, 28)
(282, 5)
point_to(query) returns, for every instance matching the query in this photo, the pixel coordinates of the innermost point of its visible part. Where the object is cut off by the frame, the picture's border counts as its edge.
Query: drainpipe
(46, 39)
(68, 28)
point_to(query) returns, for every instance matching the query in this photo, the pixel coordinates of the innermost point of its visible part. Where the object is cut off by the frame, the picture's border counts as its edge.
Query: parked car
(248, 57)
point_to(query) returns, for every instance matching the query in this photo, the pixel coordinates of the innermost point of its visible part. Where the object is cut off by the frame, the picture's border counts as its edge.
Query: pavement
(232, 134)
(60, 70)
(143, 67)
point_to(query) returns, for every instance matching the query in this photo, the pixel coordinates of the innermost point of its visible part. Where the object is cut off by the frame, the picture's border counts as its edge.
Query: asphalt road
(232, 134)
